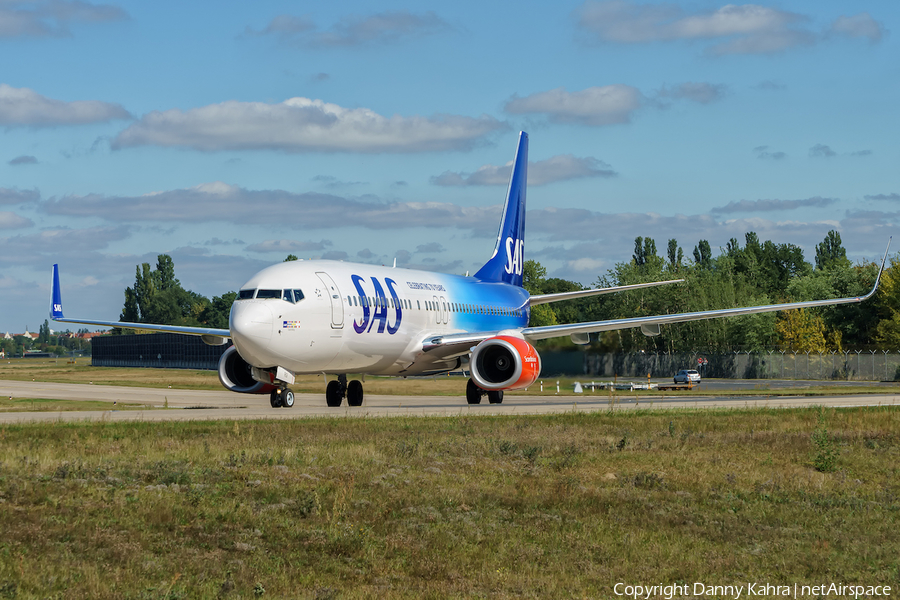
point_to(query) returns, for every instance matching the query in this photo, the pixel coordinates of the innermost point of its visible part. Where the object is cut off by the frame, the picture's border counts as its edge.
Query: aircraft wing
(212, 336)
(455, 344)
(545, 298)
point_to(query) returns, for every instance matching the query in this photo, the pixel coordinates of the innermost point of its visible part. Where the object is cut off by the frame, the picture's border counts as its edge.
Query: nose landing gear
(281, 397)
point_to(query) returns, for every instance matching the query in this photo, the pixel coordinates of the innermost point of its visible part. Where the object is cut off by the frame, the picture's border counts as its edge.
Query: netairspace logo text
(678, 590)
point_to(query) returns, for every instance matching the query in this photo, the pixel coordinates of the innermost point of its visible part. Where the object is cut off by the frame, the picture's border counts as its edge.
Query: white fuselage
(335, 317)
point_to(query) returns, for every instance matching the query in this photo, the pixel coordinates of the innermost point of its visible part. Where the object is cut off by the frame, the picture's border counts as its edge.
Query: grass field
(51, 405)
(487, 507)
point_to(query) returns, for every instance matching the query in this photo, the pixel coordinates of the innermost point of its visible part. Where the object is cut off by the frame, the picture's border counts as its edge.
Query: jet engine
(504, 363)
(234, 373)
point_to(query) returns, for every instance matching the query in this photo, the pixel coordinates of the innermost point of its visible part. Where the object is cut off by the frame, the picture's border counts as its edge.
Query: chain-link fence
(864, 365)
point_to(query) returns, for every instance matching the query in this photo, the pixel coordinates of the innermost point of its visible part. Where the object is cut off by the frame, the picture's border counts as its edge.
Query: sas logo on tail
(515, 256)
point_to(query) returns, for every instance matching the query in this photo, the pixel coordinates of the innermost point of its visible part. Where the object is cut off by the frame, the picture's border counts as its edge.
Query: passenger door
(334, 294)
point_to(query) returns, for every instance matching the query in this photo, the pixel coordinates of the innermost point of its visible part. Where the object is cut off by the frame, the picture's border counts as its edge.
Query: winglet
(56, 310)
(880, 271)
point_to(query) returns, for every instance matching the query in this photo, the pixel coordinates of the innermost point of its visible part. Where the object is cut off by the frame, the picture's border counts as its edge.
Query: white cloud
(558, 168)
(25, 107)
(303, 125)
(23, 160)
(220, 202)
(288, 246)
(17, 196)
(770, 205)
(821, 151)
(605, 105)
(861, 26)
(763, 153)
(10, 220)
(23, 18)
(44, 247)
(735, 29)
(354, 30)
(704, 93)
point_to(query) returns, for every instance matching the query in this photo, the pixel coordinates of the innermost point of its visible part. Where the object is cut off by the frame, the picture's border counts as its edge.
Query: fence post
(885, 364)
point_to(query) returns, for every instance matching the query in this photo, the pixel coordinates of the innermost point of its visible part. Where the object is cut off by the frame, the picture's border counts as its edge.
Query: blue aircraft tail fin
(507, 262)
(56, 311)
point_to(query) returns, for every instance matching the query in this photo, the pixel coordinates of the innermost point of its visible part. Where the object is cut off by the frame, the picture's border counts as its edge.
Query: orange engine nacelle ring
(504, 363)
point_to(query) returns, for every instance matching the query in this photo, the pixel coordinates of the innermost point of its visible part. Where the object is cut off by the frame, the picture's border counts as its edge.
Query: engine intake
(504, 363)
(234, 373)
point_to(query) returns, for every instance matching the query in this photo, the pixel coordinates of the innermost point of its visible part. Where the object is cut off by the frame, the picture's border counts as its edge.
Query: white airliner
(322, 316)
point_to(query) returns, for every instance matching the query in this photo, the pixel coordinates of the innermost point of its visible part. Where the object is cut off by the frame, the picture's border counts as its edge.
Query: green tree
(830, 253)
(218, 310)
(290, 257)
(703, 254)
(44, 333)
(533, 274)
(675, 254)
(157, 297)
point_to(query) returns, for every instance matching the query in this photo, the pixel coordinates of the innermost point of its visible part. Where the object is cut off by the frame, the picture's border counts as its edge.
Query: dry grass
(50, 405)
(534, 507)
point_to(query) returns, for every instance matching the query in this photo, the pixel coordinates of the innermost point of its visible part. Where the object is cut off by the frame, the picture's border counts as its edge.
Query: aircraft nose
(252, 320)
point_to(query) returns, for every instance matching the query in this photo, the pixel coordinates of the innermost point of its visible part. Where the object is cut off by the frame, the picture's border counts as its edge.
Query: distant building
(160, 350)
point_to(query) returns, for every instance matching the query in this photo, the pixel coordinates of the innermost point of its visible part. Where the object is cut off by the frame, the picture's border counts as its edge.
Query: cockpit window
(261, 294)
(292, 296)
(246, 294)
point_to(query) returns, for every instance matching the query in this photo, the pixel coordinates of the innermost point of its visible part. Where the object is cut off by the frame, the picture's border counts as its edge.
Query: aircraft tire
(287, 399)
(495, 397)
(355, 393)
(473, 393)
(275, 399)
(333, 396)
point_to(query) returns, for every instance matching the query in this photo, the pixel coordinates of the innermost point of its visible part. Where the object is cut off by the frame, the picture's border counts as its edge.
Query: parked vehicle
(687, 376)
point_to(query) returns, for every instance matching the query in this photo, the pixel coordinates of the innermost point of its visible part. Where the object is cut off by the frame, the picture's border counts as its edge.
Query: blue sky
(230, 134)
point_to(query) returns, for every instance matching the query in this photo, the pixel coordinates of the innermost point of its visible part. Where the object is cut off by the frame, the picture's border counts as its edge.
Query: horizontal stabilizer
(209, 334)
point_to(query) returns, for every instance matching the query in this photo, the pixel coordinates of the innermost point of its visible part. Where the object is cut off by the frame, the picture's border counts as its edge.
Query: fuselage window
(246, 294)
(268, 294)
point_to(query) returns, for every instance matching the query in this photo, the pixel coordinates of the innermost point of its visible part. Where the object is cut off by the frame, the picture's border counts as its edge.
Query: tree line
(158, 297)
(58, 343)
(752, 273)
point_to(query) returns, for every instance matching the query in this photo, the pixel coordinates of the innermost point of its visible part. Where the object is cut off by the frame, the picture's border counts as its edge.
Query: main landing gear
(474, 394)
(336, 391)
(281, 397)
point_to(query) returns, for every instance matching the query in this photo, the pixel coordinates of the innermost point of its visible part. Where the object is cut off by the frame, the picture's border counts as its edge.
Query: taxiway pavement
(204, 405)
